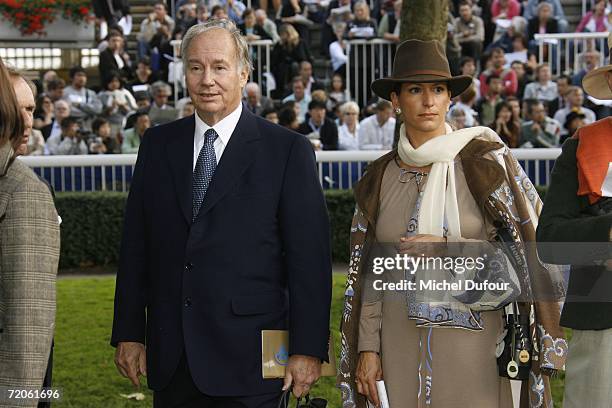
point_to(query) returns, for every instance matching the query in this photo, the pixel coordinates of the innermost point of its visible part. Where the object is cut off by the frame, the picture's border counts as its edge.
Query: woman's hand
(369, 370)
(422, 244)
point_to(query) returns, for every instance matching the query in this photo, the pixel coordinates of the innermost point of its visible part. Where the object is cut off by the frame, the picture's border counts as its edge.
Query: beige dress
(464, 368)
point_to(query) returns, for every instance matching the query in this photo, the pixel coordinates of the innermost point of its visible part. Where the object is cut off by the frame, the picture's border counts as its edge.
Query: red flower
(84, 10)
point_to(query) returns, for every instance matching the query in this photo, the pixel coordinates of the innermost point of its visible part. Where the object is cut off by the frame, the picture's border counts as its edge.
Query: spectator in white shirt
(574, 99)
(61, 109)
(465, 104)
(337, 49)
(376, 132)
(543, 89)
(349, 131)
(300, 97)
(70, 141)
(84, 102)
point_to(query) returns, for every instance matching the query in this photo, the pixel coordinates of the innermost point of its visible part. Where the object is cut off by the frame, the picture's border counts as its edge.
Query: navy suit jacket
(256, 257)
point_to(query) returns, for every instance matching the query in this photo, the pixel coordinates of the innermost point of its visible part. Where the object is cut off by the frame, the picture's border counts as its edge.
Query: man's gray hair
(242, 48)
(160, 86)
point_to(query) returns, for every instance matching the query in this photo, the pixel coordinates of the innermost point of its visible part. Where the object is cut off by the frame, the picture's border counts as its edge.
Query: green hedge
(92, 222)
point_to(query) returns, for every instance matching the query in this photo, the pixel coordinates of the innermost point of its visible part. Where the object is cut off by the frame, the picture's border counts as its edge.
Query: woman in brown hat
(441, 187)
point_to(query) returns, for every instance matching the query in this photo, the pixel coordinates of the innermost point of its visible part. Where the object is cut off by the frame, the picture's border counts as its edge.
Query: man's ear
(244, 77)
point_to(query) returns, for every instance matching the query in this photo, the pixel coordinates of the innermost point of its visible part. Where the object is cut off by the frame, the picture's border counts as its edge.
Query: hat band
(443, 74)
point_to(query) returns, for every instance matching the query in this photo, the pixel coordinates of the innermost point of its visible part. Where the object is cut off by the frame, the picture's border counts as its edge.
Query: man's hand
(302, 372)
(369, 370)
(131, 361)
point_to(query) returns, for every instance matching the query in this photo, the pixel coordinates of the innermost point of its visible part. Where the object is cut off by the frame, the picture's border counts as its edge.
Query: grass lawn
(83, 360)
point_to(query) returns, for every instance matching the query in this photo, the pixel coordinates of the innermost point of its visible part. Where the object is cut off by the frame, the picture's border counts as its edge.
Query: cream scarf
(440, 196)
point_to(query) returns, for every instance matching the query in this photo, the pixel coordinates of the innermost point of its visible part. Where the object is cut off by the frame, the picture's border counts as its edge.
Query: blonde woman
(286, 56)
(347, 133)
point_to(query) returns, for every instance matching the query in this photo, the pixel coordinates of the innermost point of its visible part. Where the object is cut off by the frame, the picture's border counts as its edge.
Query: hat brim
(595, 83)
(456, 85)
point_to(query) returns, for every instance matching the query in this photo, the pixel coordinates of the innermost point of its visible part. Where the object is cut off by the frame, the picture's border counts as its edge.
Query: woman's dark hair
(111, 76)
(500, 106)
(511, 139)
(38, 111)
(11, 121)
(98, 123)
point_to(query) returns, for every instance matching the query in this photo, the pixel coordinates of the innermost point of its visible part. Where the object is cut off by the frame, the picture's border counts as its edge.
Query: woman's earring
(398, 111)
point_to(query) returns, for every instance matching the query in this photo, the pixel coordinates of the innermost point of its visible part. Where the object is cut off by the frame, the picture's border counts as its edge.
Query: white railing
(367, 60)
(260, 56)
(337, 169)
(563, 52)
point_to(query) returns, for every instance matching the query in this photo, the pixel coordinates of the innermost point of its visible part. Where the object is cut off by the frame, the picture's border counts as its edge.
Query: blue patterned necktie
(204, 170)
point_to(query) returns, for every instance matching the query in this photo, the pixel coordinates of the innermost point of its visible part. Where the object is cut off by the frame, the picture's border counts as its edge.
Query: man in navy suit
(226, 234)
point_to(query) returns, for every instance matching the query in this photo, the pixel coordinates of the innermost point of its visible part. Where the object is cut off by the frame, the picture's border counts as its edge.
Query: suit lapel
(180, 158)
(237, 157)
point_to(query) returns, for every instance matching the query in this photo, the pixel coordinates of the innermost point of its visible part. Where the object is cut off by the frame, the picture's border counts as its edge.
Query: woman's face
(350, 117)
(249, 20)
(505, 114)
(423, 105)
(337, 84)
(47, 104)
(104, 130)
(600, 7)
(361, 12)
(114, 84)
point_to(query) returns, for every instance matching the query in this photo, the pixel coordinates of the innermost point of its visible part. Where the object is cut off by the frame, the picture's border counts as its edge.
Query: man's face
(249, 20)
(142, 123)
(538, 113)
(519, 69)
(161, 98)
(115, 43)
(213, 79)
(562, 85)
(56, 94)
(160, 11)
(318, 116)
(576, 98)
(465, 12)
(544, 74)
(260, 18)
(498, 59)
(25, 99)
(298, 90)
(496, 86)
(79, 80)
(62, 110)
(306, 70)
(252, 97)
(591, 60)
(383, 115)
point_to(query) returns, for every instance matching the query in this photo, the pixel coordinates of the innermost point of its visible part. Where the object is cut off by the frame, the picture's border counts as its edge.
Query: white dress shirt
(224, 129)
(346, 139)
(372, 136)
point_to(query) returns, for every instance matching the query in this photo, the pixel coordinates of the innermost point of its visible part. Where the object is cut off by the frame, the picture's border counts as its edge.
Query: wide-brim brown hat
(595, 82)
(420, 61)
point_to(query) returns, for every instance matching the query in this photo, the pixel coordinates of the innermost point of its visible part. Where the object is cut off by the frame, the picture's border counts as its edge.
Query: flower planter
(60, 29)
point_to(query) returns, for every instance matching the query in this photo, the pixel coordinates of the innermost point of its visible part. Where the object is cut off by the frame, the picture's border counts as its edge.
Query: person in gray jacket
(29, 255)
(84, 103)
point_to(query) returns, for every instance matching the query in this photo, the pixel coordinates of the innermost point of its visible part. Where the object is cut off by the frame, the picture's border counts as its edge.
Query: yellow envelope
(275, 355)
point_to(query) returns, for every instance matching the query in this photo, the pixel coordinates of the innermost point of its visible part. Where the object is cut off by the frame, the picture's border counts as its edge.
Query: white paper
(606, 188)
(382, 394)
(75, 98)
(503, 23)
(140, 88)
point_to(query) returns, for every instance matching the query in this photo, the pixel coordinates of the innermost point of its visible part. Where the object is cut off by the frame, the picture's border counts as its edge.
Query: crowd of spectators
(490, 40)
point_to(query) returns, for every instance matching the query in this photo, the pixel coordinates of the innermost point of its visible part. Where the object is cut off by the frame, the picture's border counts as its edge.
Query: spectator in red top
(505, 9)
(508, 76)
